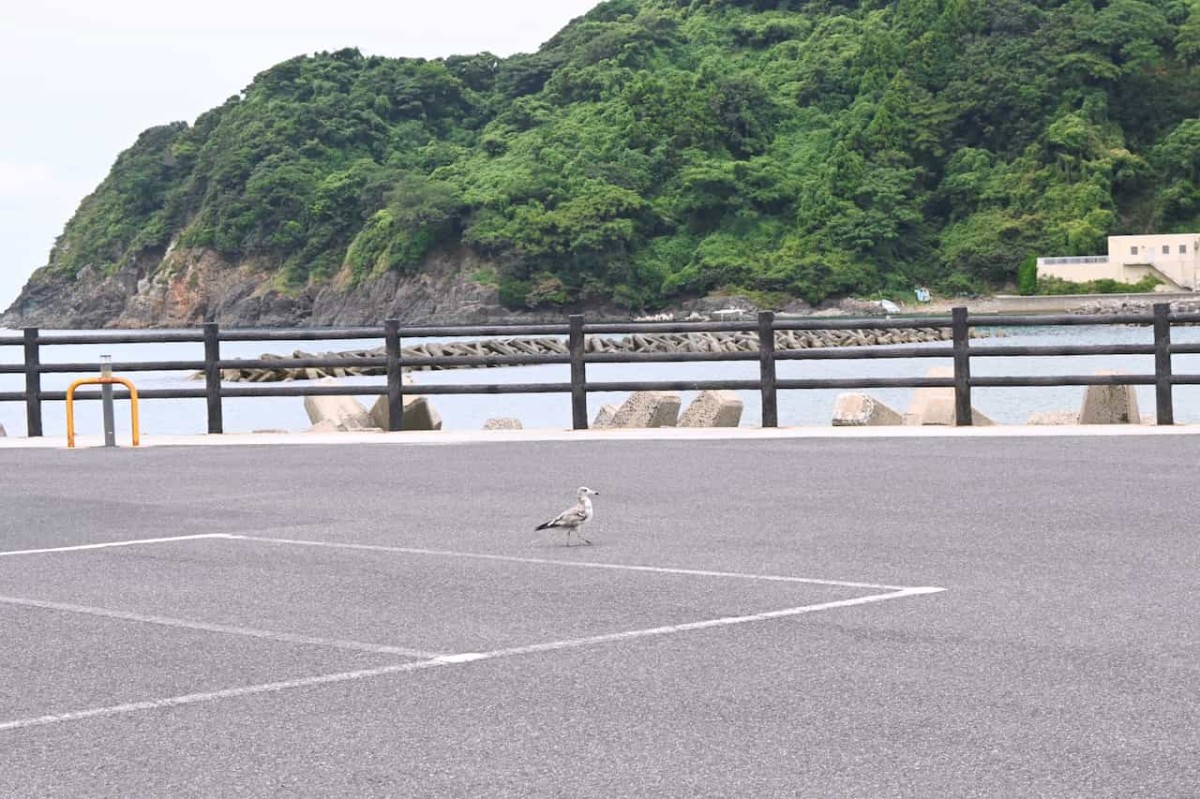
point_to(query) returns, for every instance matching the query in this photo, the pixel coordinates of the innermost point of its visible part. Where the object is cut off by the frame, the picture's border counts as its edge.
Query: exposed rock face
(192, 286)
(87, 300)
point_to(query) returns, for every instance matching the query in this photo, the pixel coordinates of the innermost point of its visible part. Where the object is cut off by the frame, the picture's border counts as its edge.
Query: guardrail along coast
(767, 340)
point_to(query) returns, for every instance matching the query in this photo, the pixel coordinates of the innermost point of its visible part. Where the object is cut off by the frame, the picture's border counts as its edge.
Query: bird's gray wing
(571, 517)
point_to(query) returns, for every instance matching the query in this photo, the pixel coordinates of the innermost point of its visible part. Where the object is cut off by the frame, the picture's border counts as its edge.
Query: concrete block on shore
(604, 418)
(503, 423)
(648, 409)
(1109, 404)
(863, 410)
(1053, 417)
(935, 406)
(419, 414)
(330, 426)
(3, 432)
(342, 412)
(713, 409)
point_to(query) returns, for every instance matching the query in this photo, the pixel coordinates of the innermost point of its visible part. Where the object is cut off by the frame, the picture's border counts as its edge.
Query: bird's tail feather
(542, 526)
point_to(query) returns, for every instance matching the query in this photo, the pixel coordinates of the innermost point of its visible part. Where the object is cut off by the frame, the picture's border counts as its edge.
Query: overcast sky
(79, 79)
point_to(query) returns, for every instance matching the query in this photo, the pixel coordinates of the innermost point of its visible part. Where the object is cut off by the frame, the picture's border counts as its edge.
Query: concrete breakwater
(633, 343)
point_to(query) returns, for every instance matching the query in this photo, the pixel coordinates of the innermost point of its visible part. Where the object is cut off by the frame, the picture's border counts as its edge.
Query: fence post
(579, 411)
(212, 377)
(1162, 363)
(962, 367)
(766, 368)
(395, 378)
(33, 384)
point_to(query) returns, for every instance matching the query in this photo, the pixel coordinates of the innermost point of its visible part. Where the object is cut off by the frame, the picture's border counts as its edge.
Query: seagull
(574, 517)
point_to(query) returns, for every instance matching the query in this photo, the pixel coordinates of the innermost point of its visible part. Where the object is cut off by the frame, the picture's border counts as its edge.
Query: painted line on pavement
(112, 544)
(726, 621)
(211, 696)
(574, 564)
(225, 629)
(447, 660)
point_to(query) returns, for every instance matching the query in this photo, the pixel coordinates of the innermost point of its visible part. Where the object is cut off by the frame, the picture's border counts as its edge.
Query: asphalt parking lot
(908, 617)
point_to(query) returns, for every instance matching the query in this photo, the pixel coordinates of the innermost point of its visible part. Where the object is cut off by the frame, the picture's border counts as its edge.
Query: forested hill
(660, 149)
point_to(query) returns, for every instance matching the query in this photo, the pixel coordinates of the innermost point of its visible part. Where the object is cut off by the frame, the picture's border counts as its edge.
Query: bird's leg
(568, 536)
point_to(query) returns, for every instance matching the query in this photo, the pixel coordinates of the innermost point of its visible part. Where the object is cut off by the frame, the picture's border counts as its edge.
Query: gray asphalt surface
(1063, 660)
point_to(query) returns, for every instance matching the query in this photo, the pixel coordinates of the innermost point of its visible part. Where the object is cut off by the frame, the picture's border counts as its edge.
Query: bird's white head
(584, 491)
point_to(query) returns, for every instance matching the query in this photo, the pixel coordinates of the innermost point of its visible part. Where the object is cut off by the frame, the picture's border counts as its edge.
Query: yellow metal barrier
(133, 404)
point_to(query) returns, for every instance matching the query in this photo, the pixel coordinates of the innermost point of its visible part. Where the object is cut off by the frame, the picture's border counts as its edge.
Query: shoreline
(1050, 303)
(740, 308)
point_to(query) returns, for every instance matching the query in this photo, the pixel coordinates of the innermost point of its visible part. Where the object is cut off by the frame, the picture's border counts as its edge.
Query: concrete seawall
(1069, 303)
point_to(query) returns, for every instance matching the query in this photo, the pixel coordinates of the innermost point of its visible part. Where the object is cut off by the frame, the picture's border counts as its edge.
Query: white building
(1170, 257)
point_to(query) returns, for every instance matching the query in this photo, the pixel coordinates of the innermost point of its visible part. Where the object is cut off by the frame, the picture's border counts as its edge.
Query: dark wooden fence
(961, 349)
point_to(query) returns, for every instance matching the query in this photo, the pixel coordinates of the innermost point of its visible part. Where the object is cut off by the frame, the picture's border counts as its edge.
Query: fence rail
(960, 350)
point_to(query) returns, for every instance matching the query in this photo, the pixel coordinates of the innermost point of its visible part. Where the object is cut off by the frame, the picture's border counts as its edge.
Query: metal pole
(766, 368)
(579, 412)
(1162, 363)
(106, 399)
(395, 379)
(962, 368)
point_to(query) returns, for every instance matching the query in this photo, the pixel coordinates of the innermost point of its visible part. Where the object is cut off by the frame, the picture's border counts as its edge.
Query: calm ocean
(796, 408)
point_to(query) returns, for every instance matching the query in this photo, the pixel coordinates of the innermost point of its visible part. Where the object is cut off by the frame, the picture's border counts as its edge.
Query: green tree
(655, 149)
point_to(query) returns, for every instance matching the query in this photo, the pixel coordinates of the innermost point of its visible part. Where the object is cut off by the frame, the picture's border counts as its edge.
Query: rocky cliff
(192, 286)
(650, 152)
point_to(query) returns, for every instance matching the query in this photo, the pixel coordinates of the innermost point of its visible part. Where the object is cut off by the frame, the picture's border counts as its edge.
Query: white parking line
(575, 564)
(726, 621)
(210, 696)
(448, 660)
(428, 659)
(112, 544)
(246, 632)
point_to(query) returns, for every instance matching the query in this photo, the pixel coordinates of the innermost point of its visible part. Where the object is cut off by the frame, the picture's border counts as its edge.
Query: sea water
(796, 408)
